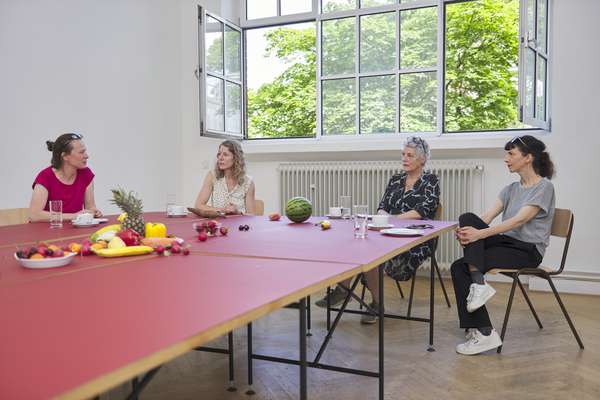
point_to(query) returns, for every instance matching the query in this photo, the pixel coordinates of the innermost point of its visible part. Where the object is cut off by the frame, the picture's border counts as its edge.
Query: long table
(77, 331)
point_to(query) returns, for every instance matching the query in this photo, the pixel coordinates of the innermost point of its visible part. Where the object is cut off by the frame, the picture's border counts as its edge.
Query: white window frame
(203, 74)
(439, 68)
(531, 44)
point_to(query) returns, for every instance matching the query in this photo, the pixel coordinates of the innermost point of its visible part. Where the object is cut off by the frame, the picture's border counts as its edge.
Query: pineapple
(132, 206)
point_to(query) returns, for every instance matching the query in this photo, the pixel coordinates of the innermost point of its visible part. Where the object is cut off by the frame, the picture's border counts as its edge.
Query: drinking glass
(171, 201)
(56, 216)
(345, 204)
(361, 216)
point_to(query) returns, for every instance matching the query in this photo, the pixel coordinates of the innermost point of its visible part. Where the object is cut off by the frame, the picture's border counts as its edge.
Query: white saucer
(333, 216)
(172, 215)
(93, 222)
(402, 232)
(379, 227)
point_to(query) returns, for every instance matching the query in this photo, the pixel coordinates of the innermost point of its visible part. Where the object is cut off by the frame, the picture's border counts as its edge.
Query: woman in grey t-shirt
(519, 241)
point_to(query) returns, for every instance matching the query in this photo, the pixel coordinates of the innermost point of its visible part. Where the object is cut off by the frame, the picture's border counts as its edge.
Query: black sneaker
(336, 297)
(368, 319)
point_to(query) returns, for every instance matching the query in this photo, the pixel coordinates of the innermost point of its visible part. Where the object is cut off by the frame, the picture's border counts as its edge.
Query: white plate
(402, 232)
(93, 222)
(379, 227)
(333, 216)
(51, 262)
(101, 220)
(172, 215)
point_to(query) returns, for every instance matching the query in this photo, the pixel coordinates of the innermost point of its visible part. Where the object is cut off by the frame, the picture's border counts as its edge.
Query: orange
(53, 247)
(75, 247)
(36, 256)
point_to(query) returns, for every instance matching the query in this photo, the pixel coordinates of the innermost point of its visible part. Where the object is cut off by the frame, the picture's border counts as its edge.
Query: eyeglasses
(513, 140)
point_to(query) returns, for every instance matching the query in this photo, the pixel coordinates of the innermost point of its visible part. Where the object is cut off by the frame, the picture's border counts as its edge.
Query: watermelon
(298, 209)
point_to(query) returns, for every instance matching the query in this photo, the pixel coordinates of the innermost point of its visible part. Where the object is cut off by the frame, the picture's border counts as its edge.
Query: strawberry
(159, 250)
(202, 237)
(186, 251)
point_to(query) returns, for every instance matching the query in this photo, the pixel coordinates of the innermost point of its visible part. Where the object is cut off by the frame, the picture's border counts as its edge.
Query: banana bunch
(124, 251)
(106, 234)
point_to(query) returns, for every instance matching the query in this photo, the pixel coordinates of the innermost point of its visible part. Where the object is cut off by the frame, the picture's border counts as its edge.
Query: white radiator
(461, 186)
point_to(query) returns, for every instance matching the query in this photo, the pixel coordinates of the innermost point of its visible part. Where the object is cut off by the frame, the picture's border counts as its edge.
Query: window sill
(473, 144)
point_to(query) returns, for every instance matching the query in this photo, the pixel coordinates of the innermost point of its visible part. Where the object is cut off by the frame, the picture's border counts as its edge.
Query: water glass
(56, 216)
(345, 204)
(171, 202)
(361, 217)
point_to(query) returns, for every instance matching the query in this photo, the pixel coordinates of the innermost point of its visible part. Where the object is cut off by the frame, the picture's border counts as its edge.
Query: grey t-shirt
(536, 230)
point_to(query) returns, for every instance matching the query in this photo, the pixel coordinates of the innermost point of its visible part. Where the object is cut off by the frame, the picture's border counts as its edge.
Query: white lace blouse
(221, 196)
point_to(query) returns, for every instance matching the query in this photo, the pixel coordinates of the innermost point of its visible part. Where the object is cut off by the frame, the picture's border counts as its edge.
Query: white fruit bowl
(50, 262)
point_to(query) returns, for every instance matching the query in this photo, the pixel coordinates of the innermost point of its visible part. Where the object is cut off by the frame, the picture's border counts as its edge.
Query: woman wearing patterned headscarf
(413, 193)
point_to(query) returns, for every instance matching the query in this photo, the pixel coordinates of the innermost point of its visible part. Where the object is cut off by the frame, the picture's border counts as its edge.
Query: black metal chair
(434, 264)
(562, 226)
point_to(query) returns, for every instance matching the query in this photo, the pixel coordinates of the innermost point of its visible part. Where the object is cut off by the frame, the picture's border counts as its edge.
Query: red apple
(274, 216)
(159, 250)
(186, 251)
(130, 237)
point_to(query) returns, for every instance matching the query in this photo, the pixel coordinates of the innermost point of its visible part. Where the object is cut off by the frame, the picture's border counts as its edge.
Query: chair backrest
(562, 226)
(438, 213)
(259, 207)
(14, 216)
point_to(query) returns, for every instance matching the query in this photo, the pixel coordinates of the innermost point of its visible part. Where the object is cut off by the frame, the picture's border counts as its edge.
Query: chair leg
(410, 297)
(308, 317)
(508, 306)
(529, 304)
(564, 310)
(362, 294)
(437, 269)
(400, 289)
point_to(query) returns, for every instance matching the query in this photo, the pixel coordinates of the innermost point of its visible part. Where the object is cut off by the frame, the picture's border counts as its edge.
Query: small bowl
(49, 262)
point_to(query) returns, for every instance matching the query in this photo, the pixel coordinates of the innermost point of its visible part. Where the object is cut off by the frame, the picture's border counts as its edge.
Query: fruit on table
(186, 251)
(125, 251)
(106, 233)
(224, 230)
(274, 216)
(202, 236)
(153, 242)
(131, 204)
(116, 243)
(130, 237)
(298, 209)
(155, 230)
(159, 249)
(75, 247)
(86, 249)
(98, 246)
(324, 224)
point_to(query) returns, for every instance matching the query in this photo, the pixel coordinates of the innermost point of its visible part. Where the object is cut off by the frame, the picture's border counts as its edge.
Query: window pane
(378, 104)
(540, 89)
(295, 6)
(338, 5)
(541, 25)
(530, 19)
(214, 45)
(378, 42)
(338, 51)
(529, 79)
(482, 48)
(214, 104)
(233, 49)
(233, 107)
(281, 77)
(418, 102)
(418, 38)
(339, 107)
(375, 3)
(261, 8)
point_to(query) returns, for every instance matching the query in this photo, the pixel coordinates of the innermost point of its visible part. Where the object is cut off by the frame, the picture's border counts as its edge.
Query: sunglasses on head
(518, 138)
(75, 136)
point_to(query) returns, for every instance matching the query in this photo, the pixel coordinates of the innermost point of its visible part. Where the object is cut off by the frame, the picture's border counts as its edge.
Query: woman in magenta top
(67, 179)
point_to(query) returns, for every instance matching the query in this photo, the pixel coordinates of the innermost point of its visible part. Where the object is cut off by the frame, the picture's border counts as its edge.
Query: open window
(533, 63)
(221, 76)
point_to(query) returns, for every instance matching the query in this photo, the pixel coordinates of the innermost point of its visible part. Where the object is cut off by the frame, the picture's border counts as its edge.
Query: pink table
(80, 334)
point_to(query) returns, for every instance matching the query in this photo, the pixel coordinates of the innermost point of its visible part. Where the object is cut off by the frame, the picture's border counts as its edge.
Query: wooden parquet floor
(534, 364)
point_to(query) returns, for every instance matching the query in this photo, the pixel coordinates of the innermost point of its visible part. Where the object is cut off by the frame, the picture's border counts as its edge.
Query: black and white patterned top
(424, 197)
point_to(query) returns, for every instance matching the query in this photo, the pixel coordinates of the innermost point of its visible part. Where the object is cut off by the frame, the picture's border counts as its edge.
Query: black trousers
(498, 251)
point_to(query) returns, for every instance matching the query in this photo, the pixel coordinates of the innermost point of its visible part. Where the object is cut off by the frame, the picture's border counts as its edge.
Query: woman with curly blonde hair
(228, 189)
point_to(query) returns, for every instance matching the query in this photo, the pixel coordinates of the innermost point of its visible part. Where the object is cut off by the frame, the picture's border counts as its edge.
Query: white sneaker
(478, 296)
(479, 343)
(470, 332)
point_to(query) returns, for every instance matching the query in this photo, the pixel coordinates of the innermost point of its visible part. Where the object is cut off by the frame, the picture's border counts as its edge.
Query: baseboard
(568, 282)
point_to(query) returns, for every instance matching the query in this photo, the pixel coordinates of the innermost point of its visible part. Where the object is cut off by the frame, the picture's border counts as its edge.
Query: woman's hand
(230, 209)
(468, 234)
(97, 213)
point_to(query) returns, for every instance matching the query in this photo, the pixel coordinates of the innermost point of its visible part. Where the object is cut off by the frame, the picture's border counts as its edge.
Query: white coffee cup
(381, 220)
(176, 210)
(84, 218)
(335, 211)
